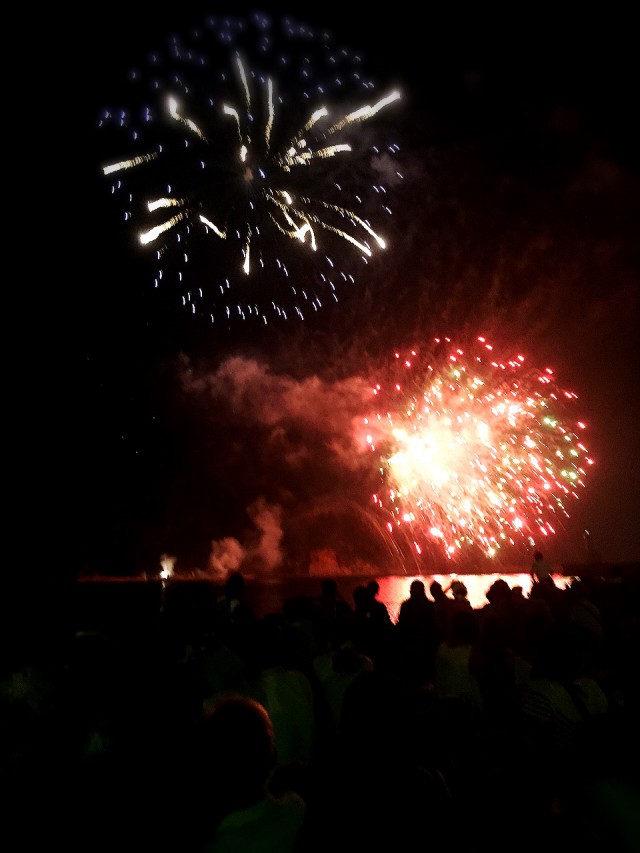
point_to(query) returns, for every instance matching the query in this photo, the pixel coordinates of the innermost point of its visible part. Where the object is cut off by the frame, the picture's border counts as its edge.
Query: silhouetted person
(416, 614)
(455, 676)
(375, 628)
(332, 612)
(416, 630)
(232, 601)
(372, 625)
(331, 597)
(235, 619)
(442, 605)
(540, 569)
(460, 598)
(497, 651)
(237, 753)
(379, 611)
(376, 793)
(284, 691)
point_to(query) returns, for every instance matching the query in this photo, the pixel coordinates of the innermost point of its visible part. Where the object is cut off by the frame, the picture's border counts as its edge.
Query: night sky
(229, 444)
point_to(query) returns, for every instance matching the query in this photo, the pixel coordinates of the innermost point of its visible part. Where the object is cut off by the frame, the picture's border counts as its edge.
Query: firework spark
(247, 179)
(477, 452)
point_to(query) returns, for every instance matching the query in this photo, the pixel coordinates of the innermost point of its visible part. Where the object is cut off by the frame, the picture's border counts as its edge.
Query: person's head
(374, 588)
(435, 588)
(237, 745)
(499, 591)
(537, 556)
(361, 597)
(458, 589)
(417, 589)
(234, 586)
(329, 587)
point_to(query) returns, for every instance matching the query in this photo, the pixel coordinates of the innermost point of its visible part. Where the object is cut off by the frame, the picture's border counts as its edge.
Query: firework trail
(477, 452)
(258, 195)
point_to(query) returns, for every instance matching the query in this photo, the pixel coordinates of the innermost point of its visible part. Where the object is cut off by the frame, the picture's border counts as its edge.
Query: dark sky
(517, 217)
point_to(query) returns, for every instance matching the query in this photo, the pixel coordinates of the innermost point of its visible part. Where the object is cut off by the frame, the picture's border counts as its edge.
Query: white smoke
(261, 550)
(226, 556)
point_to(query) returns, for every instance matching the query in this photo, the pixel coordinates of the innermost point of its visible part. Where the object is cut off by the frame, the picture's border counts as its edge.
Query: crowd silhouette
(327, 726)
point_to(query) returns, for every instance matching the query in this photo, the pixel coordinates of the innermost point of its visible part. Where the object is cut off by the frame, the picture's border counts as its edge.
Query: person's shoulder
(289, 803)
(290, 800)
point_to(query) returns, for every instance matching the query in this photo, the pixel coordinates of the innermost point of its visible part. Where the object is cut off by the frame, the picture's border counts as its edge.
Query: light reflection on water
(268, 596)
(115, 602)
(394, 590)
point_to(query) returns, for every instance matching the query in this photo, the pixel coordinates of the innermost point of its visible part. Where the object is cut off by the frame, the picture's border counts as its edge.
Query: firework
(250, 170)
(477, 452)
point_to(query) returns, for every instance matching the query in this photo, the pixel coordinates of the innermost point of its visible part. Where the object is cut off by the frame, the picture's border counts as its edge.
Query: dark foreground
(508, 726)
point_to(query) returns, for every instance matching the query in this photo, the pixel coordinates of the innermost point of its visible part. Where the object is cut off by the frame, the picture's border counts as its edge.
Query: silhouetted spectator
(331, 611)
(416, 630)
(540, 569)
(455, 676)
(237, 752)
(284, 691)
(442, 606)
(372, 625)
(496, 648)
(460, 598)
(231, 605)
(375, 793)
(379, 611)
(235, 619)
